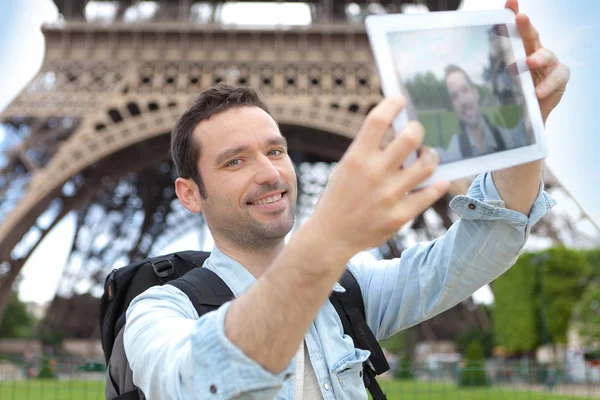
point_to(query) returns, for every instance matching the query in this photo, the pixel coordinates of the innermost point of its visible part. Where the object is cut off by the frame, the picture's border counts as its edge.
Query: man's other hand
(550, 77)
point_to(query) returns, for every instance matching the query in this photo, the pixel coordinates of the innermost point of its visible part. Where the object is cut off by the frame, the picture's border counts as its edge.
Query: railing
(69, 379)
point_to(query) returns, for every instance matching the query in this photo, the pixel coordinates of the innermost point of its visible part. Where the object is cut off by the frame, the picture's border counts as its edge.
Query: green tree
(514, 318)
(404, 369)
(473, 374)
(565, 274)
(486, 339)
(535, 299)
(587, 314)
(17, 322)
(47, 370)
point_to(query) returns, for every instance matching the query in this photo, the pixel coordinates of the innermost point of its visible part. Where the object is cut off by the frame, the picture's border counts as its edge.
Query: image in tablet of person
(476, 133)
(461, 87)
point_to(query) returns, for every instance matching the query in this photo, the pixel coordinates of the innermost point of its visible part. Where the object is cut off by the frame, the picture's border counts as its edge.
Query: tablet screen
(463, 86)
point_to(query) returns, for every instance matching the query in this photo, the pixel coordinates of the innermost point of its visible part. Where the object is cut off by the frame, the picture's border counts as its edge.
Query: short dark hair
(451, 68)
(185, 151)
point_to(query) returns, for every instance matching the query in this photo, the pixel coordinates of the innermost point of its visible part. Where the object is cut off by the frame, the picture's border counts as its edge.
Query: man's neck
(255, 259)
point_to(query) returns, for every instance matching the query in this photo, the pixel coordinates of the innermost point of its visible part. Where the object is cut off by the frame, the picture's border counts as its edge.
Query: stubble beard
(248, 233)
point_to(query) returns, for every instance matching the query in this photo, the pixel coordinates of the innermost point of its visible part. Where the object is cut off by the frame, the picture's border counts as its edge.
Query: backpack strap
(496, 133)
(463, 140)
(205, 289)
(132, 395)
(350, 307)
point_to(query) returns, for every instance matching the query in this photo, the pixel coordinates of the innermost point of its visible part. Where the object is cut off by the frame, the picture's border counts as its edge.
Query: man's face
(465, 98)
(249, 177)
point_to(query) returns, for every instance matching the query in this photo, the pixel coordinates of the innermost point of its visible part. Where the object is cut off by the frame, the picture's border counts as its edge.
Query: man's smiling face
(249, 178)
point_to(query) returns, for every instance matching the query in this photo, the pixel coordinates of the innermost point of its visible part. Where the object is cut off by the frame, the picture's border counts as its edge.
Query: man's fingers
(513, 5)
(542, 58)
(418, 171)
(407, 141)
(530, 35)
(555, 81)
(416, 203)
(378, 121)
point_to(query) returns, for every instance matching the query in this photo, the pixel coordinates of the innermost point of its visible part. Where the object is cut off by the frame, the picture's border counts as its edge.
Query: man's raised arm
(365, 203)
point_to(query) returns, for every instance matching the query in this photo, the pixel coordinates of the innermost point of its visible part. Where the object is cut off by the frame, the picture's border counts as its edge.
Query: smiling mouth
(268, 200)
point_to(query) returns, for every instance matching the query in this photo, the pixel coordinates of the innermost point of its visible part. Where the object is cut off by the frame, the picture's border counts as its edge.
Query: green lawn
(396, 390)
(441, 125)
(50, 390)
(414, 390)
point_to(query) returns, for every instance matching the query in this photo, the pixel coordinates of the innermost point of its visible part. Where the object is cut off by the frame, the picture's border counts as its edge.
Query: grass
(424, 390)
(396, 390)
(40, 389)
(441, 125)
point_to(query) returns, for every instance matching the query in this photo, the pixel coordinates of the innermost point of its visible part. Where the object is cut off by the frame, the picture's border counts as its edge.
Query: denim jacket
(176, 355)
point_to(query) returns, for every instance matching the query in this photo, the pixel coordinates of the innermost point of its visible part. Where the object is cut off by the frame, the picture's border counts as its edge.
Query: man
(281, 337)
(478, 135)
(504, 85)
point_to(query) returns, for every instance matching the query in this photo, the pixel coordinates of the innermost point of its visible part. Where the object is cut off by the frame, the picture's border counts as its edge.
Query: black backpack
(207, 292)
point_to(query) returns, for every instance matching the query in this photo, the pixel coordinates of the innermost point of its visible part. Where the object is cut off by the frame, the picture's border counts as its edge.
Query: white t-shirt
(306, 385)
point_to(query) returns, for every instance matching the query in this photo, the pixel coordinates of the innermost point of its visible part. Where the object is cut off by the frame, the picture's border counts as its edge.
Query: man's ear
(188, 193)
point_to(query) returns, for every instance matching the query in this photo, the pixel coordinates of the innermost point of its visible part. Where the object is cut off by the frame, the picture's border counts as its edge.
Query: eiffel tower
(90, 134)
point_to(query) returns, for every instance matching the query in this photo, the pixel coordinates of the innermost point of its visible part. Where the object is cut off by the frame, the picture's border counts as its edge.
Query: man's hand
(366, 200)
(550, 77)
(519, 186)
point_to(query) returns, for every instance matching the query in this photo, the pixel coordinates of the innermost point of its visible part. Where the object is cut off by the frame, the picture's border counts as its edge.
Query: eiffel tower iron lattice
(90, 133)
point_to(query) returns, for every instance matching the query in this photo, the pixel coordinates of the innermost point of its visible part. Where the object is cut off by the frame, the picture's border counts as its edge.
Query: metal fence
(71, 379)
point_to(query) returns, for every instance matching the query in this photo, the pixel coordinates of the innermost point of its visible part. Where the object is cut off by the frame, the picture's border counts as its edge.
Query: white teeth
(268, 200)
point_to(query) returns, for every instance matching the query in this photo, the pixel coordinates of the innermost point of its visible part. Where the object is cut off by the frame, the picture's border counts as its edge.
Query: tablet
(465, 78)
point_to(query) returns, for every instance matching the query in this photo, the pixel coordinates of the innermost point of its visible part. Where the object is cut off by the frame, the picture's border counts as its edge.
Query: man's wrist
(317, 243)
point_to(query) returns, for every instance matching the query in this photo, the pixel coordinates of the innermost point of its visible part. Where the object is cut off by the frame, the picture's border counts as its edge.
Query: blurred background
(90, 92)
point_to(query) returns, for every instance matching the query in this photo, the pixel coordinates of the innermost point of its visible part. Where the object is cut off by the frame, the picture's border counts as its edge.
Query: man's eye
(275, 152)
(234, 163)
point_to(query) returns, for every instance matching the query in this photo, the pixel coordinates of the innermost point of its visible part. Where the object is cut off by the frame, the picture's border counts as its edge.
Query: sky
(567, 27)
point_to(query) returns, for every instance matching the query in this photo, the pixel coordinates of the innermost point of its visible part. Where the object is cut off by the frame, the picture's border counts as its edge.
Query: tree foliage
(515, 322)
(473, 374)
(566, 274)
(588, 315)
(535, 299)
(486, 339)
(17, 322)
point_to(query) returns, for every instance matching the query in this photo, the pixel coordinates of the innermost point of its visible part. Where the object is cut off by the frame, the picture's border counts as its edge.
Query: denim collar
(238, 278)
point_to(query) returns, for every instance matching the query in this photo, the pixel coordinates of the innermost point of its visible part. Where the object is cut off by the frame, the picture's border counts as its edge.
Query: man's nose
(266, 172)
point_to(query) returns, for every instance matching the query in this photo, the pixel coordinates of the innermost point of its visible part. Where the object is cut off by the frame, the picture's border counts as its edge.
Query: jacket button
(326, 386)
(472, 206)
(213, 389)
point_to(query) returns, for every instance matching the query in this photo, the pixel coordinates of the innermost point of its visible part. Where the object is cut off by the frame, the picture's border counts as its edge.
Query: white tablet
(466, 80)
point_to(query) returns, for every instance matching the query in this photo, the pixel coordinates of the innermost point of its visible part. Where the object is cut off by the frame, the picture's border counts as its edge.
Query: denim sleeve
(175, 355)
(432, 277)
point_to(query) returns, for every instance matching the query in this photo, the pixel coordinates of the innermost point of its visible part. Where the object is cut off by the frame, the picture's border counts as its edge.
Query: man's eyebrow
(228, 153)
(277, 141)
